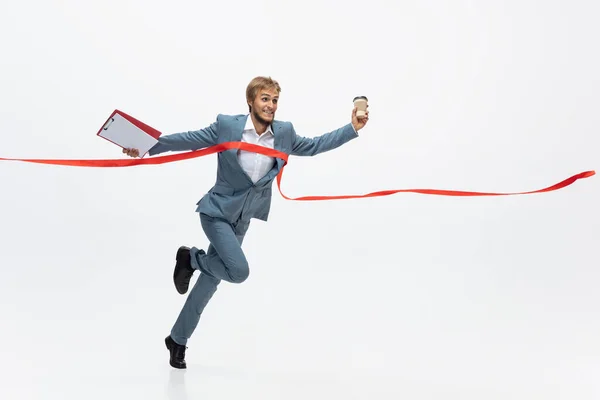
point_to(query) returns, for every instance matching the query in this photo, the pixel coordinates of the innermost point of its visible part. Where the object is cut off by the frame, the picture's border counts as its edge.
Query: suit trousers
(224, 260)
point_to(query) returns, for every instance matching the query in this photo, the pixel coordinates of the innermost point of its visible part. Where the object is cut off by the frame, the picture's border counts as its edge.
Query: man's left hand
(357, 122)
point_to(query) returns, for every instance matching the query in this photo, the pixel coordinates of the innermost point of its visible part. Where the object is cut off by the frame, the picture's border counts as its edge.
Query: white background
(407, 296)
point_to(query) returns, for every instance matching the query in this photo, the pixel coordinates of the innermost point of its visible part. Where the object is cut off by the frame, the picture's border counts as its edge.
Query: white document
(128, 132)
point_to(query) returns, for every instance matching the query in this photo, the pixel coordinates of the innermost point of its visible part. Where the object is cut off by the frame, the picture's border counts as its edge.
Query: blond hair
(260, 83)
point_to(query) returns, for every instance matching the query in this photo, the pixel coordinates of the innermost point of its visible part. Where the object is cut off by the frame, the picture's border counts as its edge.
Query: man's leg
(189, 316)
(227, 262)
(224, 260)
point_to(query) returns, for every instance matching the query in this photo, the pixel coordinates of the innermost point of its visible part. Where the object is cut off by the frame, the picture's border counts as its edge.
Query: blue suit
(227, 208)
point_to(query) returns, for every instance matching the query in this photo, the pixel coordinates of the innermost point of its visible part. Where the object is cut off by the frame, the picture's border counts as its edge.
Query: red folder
(128, 132)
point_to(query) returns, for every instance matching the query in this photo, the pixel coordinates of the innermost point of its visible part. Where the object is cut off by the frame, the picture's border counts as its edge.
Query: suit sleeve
(190, 140)
(302, 146)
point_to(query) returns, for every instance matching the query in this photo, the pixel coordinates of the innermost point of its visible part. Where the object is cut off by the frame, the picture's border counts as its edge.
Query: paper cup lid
(360, 97)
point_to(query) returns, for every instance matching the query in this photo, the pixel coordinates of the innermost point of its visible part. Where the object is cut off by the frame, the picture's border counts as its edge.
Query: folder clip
(108, 123)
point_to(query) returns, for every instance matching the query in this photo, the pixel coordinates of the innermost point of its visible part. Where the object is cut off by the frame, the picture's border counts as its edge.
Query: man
(242, 191)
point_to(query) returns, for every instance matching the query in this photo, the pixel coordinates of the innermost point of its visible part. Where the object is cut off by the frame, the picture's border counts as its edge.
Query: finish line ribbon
(277, 154)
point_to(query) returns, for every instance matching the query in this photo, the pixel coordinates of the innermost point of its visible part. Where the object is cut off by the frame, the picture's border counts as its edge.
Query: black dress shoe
(177, 358)
(183, 269)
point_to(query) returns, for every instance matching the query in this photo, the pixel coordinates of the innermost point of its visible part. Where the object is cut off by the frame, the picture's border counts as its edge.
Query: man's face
(265, 105)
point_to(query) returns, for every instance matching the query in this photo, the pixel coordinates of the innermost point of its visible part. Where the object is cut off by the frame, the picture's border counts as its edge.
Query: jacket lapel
(278, 145)
(277, 133)
(237, 130)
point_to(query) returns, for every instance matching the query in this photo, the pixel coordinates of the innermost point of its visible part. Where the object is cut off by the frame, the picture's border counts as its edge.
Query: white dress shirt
(254, 164)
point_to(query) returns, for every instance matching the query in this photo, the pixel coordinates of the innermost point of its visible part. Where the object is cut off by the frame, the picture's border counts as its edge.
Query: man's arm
(303, 146)
(190, 140)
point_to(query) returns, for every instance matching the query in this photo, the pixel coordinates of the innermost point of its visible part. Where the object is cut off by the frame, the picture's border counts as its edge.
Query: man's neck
(259, 127)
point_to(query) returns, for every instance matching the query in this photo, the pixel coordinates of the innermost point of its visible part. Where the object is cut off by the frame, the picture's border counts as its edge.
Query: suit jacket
(234, 196)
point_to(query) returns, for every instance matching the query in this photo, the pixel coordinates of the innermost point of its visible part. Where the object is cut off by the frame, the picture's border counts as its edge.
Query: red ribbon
(440, 192)
(274, 153)
(160, 159)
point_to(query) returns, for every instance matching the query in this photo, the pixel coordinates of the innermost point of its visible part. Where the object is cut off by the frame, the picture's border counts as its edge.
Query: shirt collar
(250, 126)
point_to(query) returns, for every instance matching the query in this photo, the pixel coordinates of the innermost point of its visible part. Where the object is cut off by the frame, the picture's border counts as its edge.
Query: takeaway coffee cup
(360, 102)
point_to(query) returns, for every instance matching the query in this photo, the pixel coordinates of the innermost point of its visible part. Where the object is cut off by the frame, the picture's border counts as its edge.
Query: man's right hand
(132, 152)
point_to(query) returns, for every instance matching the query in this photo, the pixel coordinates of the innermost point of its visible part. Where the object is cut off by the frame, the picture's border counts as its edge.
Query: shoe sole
(181, 252)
